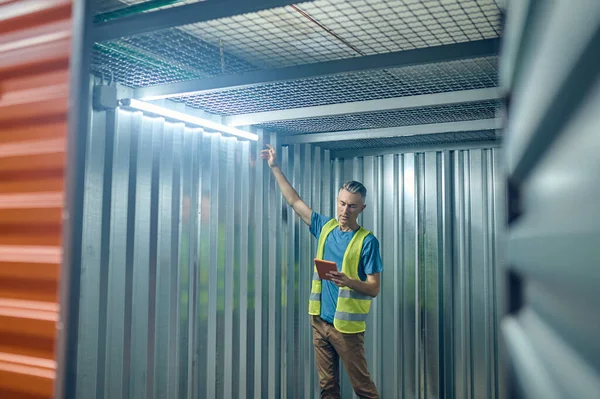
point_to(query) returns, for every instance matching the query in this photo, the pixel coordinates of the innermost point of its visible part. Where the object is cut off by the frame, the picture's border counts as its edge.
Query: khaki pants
(332, 345)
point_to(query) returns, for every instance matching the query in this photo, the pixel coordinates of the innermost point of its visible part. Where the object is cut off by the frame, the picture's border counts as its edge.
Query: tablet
(324, 267)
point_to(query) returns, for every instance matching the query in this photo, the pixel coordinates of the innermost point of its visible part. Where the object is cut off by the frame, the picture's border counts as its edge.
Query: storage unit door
(551, 74)
(34, 61)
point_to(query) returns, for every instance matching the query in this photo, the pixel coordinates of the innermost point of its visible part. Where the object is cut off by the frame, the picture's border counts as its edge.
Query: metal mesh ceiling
(326, 30)
(308, 33)
(375, 120)
(110, 9)
(417, 140)
(476, 73)
(163, 57)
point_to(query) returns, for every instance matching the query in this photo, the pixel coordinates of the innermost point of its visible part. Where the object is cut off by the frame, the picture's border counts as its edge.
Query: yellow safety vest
(352, 307)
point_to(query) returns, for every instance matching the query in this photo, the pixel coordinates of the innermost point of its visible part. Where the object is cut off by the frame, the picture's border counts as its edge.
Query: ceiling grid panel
(309, 34)
(477, 73)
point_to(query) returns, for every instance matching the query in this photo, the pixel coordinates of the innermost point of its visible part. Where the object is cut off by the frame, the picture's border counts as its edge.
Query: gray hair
(355, 187)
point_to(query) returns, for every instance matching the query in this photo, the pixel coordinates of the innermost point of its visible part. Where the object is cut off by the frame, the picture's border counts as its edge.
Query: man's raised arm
(289, 193)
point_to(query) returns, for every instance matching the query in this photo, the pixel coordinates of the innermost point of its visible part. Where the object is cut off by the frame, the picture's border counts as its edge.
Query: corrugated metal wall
(34, 82)
(192, 283)
(478, 231)
(196, 274)
(432, 330)
(181, 287)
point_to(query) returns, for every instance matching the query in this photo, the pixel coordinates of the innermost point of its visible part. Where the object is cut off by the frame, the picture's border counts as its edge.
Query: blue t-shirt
(335, 247)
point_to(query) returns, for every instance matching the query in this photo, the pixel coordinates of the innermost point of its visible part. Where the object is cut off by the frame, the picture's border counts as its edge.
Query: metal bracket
(105, 97)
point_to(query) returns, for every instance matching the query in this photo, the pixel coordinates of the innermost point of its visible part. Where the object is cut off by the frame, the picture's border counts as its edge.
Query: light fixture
(192, 120)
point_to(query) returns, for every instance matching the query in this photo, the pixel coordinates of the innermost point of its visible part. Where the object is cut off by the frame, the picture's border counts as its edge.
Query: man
(339, 307)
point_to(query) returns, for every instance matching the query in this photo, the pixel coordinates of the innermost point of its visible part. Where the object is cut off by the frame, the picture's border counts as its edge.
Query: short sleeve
(371, 258)
(317, 221)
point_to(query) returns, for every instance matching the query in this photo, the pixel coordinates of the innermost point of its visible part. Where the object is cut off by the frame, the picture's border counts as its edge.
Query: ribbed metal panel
(477, 237)
(196, 273)
(189, 287)
(432, 329)
(34, 86)
(157, 299)
(308, 170)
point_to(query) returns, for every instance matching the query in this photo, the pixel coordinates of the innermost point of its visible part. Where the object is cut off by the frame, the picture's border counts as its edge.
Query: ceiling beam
(179, 16)
(407, 149)
(435, 128)
(450, 52)
(357, 107)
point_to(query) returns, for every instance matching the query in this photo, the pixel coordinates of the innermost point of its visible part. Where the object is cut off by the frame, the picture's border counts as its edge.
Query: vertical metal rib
(398, 265)
(409, 246)
(419, 275)
(157, 133)
(213, 267)
(244, 258)
(192, 141)
(326, 203)
(164, 269)
(446, 279)
(176, 229)
(89, 324)
(258, 276)
(229, 243)
(203, 270)
(117, 262)
(274, 283)
(304, 256)
(141, 259)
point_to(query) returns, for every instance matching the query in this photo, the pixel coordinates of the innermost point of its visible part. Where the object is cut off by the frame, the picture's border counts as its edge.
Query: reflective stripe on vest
(350, 316)
(352, 294)
(315, 297)
(352, 307)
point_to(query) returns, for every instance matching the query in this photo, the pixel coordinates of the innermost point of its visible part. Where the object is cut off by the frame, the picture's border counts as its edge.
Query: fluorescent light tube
(192, 120)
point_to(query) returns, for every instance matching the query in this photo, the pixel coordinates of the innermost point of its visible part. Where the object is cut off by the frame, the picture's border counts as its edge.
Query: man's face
(349, 206)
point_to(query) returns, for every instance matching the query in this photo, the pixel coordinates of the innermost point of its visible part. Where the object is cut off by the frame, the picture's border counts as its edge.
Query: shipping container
(147, 251)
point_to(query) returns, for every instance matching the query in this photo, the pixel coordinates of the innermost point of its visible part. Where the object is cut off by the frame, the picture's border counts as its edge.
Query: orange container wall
(35, 40)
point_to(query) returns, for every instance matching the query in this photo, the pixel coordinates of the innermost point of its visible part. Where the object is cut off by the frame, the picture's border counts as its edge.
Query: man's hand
(270, 155)
(339, 279)
(369, 287)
